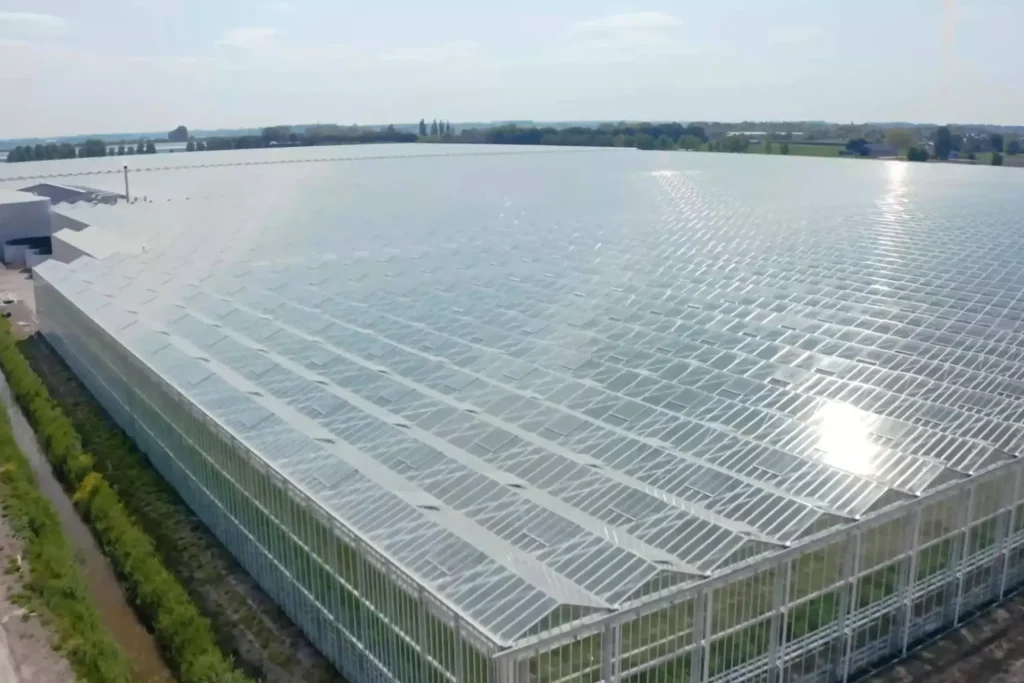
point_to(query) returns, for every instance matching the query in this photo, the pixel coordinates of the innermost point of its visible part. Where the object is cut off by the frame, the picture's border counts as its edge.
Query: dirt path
(25, 652)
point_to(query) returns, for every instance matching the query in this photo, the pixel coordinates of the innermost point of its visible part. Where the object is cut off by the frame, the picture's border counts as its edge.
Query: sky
(69, 67)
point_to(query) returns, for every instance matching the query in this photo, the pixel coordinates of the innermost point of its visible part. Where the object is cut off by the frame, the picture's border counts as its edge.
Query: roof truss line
(614, 474)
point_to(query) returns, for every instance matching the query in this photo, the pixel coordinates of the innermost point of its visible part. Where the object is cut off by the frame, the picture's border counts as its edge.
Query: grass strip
(54, 586)
(247, 624)
(184, 634)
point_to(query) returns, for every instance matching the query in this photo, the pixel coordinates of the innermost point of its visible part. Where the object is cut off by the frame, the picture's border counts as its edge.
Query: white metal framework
(661, 426)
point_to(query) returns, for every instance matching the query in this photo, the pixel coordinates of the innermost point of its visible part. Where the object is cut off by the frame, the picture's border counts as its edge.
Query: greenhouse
(677, 421)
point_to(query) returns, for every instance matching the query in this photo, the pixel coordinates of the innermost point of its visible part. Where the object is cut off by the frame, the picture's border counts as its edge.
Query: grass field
(799, 150)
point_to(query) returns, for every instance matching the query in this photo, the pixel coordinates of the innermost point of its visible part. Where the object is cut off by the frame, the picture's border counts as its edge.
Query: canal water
(115, 612)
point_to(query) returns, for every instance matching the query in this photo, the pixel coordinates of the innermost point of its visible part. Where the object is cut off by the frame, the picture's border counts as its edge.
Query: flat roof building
(517, 416)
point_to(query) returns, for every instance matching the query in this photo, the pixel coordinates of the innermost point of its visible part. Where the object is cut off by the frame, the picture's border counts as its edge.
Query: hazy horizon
(150, 65)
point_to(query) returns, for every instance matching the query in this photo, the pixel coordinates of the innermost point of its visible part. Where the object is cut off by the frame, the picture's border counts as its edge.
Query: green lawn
(800, 150)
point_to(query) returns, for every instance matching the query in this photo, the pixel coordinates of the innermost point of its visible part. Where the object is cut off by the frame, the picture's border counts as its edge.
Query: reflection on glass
(843, 437)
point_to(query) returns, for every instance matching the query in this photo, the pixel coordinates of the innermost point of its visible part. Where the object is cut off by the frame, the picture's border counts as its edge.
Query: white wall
(14, 253)
(24, 218)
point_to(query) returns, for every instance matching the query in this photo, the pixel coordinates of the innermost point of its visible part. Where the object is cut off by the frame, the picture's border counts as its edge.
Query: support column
(610, 653)
(505, 671)
(421, 633)
(1005, 549)
(907, 595)
(965, 548)
(361, 597)
(457, 635)
(523, 671)
(848, 604)
(777, 636)
(845, 571)
(701, 627)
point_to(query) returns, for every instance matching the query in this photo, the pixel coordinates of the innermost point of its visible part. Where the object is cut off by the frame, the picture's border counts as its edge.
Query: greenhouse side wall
(825, 613)
(371, 628)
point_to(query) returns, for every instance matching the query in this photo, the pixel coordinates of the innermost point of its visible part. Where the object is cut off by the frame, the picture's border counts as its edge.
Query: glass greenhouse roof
(554, 383)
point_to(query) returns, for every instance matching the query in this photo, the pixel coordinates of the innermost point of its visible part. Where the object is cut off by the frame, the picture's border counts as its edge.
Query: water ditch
(115, 612)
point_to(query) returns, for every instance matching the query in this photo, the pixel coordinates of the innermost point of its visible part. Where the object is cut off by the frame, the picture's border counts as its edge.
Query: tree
(858, 146)
(736, 144)
(900, 139)
(120, 150)
(768, 146)
(664, 142)
(190, 146)
(643, 141)
(201, 146)
(689, 142)
(997, 159)
(943, 143)
(1013, 147)
(150, 147)
(433, 129)
(423, 128)
(111, 151)
(784, 149)
(917, 154)
(275, 134)
(996, 140)
(179, 134)
(93, 148)
(140, 148)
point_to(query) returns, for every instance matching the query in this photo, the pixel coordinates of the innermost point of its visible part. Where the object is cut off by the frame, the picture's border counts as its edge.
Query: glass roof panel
(578, 370)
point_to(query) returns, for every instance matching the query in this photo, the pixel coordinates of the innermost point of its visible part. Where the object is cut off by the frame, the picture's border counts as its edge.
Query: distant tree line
(65, 150)
(436, 129)
(665, 136)
(284, 136)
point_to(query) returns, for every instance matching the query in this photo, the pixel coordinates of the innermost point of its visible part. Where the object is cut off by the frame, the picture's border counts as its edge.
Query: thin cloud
(630, 21)
(32, 19)
(459, 49)
(620, 38)
(249, 37)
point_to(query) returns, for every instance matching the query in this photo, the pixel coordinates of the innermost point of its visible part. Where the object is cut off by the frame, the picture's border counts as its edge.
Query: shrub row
(54, 585)
(247, 624)
(184, 634)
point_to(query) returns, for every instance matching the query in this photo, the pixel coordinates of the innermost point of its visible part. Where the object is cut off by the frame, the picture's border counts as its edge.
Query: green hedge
(54, 585)
(184, 634)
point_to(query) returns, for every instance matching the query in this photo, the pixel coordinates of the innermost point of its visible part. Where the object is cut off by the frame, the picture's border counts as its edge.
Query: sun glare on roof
(843, 438)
